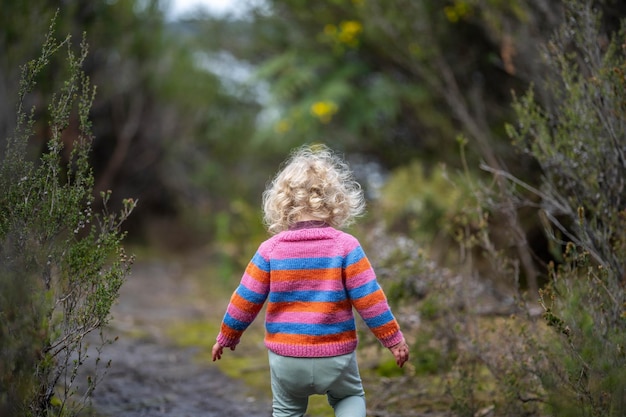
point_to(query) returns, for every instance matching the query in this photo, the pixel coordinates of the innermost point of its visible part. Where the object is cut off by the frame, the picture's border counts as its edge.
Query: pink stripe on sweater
(253, 285)
(304, 249)
(360, 279)
(308, 318)
(239, 314)
(374, 310)
(308, 285)
(340, 347)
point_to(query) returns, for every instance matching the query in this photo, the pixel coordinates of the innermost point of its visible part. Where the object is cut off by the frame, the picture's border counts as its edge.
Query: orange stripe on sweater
(230, 333)
(309, 307)
(386, 330)
(304, 274)
(370, 300)
(257, 273)
(357, 268)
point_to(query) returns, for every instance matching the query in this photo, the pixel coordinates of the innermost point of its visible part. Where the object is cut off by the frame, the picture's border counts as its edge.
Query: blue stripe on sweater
(311, 329)
(260, 262)
(307, 263)
(307, 296)
(354, 256)
(365, 289)
(235, 324)
(379, 320)
(249, 295)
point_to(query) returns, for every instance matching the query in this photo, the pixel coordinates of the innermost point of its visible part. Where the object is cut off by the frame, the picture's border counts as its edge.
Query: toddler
(312, 275)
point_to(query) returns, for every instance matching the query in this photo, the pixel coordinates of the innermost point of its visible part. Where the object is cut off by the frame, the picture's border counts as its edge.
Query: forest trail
(149, 376)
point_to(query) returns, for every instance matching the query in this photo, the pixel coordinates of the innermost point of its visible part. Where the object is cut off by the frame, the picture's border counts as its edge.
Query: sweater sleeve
(246, 302)
(368, 298)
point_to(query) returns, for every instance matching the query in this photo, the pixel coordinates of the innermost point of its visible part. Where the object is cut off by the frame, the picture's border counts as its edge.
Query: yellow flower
(324, 110)
(349, 32)
(351, 27)
(458, 11)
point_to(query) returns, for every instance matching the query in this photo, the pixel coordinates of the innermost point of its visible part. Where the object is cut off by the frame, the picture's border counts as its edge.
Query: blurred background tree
(390, 81)
(193, 115)
(167, 130)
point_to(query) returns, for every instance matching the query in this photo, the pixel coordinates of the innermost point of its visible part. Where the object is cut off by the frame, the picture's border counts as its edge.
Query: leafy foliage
(578, 141)
(62, 264)
(428, 205)
(577, 138)
(589, 376)
(572, 362)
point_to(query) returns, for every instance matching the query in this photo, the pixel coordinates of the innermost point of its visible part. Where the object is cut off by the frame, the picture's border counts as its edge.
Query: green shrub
(61, 265)
(421, 204)
(588, 375)
(575, 131)
(573, 363)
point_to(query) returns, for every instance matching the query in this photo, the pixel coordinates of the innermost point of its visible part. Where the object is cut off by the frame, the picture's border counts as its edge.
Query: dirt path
(149, 376)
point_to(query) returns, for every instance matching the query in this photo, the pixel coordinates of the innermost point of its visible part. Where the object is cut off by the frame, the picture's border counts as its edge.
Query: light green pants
(295, 379)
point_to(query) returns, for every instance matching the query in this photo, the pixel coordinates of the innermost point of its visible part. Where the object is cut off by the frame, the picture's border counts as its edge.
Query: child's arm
(371, 303)
(245, 304)
(218, 350)
(400, 352)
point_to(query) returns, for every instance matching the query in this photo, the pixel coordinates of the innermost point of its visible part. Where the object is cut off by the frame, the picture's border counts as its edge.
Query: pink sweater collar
(309, 233)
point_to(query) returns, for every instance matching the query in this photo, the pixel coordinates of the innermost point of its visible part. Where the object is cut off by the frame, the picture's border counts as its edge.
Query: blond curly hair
(314, 181)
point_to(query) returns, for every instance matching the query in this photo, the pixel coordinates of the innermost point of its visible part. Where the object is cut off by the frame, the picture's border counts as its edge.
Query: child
(313, 275)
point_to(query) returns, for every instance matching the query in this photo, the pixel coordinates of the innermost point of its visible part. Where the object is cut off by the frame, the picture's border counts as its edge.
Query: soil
(149, 376)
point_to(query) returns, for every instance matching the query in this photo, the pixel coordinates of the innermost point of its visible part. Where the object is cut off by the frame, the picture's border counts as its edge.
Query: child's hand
(400, 352)
(218, 350)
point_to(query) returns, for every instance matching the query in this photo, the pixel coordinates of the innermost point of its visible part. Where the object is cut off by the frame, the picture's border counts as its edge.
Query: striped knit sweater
(311, 277)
